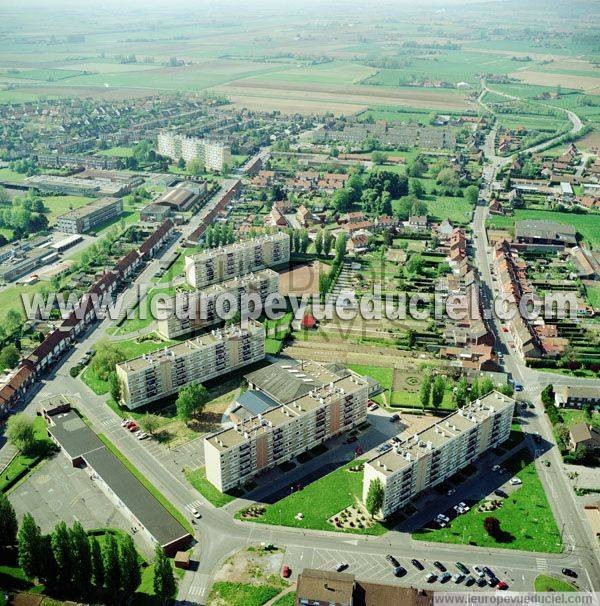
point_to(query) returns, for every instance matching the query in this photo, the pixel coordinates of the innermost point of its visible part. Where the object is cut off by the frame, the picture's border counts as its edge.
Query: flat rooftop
(84, 211)
(282, 414)
(209, 254)
(396, 456)
(185, 347)
(78, 440)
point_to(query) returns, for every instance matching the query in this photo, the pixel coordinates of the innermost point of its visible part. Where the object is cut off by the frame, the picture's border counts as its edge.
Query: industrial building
(407, 467)
(187, 311)
(24, 262)
(214, 155)
(325, 401)
(220, 264)
(156, 375)
(183, 196)
(77, 186)
(83, 219)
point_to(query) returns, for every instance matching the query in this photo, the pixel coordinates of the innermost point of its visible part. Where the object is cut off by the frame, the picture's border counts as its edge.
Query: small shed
(182, 560)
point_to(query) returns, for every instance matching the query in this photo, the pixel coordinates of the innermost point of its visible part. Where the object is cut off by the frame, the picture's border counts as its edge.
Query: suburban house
(585, 435)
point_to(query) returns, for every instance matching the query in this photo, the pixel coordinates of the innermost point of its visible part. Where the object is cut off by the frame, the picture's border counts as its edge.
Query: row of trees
(72, 564)
(327, 280)
(299, 240)
(219, 235)
(323, 242)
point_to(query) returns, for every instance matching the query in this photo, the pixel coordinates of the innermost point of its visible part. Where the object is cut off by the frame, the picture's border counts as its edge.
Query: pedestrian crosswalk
(193, 505)
(541, 563)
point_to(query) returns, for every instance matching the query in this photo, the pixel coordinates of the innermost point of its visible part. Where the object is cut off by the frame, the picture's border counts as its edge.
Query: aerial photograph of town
(299, 302)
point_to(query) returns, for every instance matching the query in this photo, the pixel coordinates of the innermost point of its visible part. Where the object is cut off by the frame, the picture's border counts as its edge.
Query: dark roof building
(532, 231)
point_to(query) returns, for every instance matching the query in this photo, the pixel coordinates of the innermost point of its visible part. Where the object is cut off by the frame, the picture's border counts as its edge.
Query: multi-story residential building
(219, 264)
(334, 402)
(406, 467)
(162, 373)
(187, 312)
(84, 218)
(213, 154)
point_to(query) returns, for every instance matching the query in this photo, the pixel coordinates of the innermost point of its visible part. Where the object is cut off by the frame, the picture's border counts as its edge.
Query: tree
(12, 321)
(375, 496)
(485, 386)
(150, 422)
(379, 157)
(448, 177)
(492, 527)
(114, 386)
(507, 390)
(82, 561)
(195, 167)
(8, 522)
(437, 391)
(130, 566)
(20, 432)
(475, 392)
(461, 392)
(112, 567)
(29, 544)
(327, 242)
(63, 554)
(191, 399)
(107, 355)
(319, 242)
(97, 565)
(425, 392)
(416, 188)
(164, 581)
(9, 357)
(472, 194)
(181, 164)
(340, 246)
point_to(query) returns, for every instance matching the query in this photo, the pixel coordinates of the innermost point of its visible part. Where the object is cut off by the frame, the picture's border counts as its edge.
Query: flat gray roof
(78, 440)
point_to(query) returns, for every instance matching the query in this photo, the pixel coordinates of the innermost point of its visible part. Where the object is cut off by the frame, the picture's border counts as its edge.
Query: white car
(195, 513)
(142, 436)
(441, 516)
(451, 492)
(496, 468)
(479, 572)
(516, 481)
(464, 506)
(125, 422)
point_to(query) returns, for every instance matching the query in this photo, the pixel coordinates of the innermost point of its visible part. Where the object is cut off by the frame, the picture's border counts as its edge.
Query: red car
(286, 571)
(502, 585)
(133, 427)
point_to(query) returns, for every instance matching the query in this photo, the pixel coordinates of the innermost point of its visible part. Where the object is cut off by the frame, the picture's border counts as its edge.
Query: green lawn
(384, 376)
(147, 484)
(592, 294)
(197, 478)
(588, 225)
(117, 152)
(319, 501)
(544, 583)
(289, 599)
(412, 399)
(526, 515)
(22, 464)
(58, 205)
(6, 174)
(241, 594)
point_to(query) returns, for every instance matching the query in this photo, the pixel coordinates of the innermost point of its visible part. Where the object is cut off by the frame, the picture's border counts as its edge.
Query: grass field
(334, 72)
(225, 593)
(384, 376)
(545, 583)
(197, 478)
(58, 205)
(117, 152)
(6, 174)
(525, 514)
(588, 225)
(319, 501)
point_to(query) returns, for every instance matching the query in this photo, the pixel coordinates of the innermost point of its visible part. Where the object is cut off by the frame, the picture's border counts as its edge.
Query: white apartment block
(406, 467)
(234, 260)
(164, 372)
(235, 455)
(187, 312)
(213, 154)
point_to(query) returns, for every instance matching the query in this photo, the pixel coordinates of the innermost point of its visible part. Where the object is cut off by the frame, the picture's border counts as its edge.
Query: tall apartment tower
(426, 459)
(164, 372)
(235, 455)
(214, 155)
(234, 260)
(191, 311)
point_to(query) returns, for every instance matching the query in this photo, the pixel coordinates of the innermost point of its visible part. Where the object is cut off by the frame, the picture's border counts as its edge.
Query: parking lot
(375, 568)
(59, 492)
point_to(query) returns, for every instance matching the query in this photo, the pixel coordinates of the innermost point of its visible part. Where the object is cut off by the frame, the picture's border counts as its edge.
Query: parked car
(142, 436)
(496, 468)
(417, 564)
(493, 581)
(464, 506)
(502, 585)
(516, 481)
(500, 493)
(481, 582)
(458, 578)
(569, 572)
(478, 571)
(430, 577)
(394, 418)
(286, 572)
(133, 427)
(441, 516)
(488, 571)
(126, 422)
(392, 560)
(445, 577)
(341, 566)
(439, 566)
(518, 387)
(451, 492)
(462, 567)
(399, 571)
(469, 580)
(195, 513)
(351, 439)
